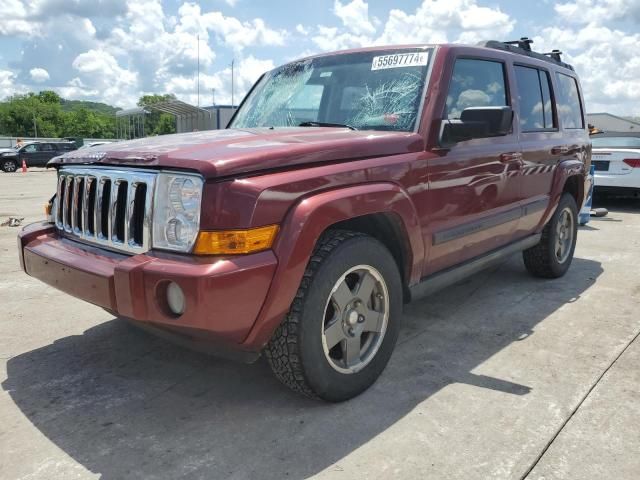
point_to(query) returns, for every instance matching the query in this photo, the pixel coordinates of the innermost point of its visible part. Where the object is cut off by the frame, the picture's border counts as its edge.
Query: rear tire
(9, 166)
(344, 321)
(552, 257)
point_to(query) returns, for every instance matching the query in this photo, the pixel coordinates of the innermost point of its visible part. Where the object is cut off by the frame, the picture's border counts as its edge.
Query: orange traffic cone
(24, 166)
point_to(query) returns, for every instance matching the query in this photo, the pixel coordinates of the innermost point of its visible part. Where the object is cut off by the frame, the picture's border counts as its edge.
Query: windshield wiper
(325, 124)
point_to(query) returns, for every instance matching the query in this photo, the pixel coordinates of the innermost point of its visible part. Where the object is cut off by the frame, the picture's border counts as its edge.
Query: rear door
(474, 185)
(47, 152)
(540, 138)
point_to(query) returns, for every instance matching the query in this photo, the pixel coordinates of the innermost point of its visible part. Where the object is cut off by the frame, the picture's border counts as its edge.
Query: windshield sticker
(399, 60)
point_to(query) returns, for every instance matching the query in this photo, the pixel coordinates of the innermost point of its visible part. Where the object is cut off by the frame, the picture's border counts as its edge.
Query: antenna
(198, 71)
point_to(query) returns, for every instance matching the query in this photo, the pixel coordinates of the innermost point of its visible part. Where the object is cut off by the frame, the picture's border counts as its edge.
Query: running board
(437, 281)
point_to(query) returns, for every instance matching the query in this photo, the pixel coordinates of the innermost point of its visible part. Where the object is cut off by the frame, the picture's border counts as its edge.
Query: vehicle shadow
(128, 405)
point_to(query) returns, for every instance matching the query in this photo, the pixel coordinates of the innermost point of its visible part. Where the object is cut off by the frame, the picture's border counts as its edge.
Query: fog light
(175, 298)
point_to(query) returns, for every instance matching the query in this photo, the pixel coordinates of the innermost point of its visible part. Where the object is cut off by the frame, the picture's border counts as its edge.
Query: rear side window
(534, 96)
(569, 107)
(476, 83)
(64, 146)
(47, 147)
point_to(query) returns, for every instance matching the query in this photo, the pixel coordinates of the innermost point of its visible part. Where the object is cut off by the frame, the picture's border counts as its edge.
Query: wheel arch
(382, 210)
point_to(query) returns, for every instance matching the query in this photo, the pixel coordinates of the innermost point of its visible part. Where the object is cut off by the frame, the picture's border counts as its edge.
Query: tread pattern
(538, 259)
(283, 351)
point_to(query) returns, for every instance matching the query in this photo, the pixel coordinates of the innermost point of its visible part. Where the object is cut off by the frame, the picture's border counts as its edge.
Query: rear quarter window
(568, 102)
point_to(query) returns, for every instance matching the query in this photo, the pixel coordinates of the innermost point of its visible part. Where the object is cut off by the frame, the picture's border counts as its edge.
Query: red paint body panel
(223, 296)
(443, 201)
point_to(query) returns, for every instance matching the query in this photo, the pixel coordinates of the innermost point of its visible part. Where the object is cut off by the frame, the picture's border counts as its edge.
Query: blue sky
(116, 50)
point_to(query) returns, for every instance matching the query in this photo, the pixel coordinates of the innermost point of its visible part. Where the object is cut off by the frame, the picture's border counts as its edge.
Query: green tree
(157, 123)
(42, 113)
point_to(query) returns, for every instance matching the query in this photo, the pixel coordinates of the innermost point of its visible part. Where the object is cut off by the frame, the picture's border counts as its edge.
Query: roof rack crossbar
(555, 54)
(523, 47)
(524, 43)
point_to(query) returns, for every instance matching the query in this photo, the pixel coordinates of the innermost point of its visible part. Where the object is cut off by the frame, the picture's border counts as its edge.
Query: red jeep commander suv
(346, 185)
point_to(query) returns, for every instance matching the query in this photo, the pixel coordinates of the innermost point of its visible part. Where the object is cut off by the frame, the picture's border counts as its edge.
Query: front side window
(534, 95)
(476, 83)
(380, 90)
(31, 148)
(569, 107)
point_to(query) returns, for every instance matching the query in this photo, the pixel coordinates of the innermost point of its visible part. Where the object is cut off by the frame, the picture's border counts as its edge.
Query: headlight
(176, 213)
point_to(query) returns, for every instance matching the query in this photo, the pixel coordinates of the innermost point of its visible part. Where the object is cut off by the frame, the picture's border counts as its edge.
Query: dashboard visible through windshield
(379, 90)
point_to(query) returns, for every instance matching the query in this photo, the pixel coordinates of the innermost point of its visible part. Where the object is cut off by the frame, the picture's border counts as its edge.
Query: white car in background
(616, 156)
(93, 144)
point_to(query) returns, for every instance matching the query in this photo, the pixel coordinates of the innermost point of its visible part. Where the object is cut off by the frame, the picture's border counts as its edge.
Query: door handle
(561, 150)
(510, 157)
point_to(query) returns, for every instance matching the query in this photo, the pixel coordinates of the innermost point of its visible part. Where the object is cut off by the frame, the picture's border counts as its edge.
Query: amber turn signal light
(48, 207)
(233, 242)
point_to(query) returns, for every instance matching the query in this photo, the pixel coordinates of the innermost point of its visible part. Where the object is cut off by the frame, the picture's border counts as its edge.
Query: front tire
(552, 257)
(9, 166)
(344, 321)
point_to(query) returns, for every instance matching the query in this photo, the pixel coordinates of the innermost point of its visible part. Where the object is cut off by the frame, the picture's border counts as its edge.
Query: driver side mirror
(477, 122)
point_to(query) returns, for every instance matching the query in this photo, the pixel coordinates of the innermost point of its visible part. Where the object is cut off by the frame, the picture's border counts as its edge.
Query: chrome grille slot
(107, 207)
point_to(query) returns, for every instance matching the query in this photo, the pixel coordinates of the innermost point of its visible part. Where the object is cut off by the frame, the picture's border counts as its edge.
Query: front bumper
(223, 295)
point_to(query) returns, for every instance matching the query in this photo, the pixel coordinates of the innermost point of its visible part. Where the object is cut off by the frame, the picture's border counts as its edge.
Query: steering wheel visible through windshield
(379, 90)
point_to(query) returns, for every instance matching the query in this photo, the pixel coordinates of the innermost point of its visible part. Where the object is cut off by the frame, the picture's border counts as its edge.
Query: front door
(474, 185)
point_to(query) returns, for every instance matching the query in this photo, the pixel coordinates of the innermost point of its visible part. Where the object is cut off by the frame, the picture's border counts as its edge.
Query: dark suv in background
(36, 154)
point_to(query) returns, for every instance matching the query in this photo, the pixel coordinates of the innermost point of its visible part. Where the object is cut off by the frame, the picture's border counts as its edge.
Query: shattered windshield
(379, 90)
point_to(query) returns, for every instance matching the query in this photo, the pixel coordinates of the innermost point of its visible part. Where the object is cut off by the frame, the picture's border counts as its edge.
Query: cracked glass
(376, 90)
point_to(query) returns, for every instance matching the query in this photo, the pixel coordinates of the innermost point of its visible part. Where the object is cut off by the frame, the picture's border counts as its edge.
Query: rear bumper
(629, 180)
(223, 295)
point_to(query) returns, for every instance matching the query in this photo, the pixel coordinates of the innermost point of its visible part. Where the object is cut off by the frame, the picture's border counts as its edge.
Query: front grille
(107, 207)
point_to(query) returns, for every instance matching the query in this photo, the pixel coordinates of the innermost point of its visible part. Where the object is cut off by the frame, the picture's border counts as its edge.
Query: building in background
(189, 118)
(606, 122)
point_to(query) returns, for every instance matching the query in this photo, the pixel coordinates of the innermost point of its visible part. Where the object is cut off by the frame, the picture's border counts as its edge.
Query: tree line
(46, 114)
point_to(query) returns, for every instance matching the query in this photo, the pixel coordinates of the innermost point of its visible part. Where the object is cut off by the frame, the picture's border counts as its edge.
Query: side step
(437, 281)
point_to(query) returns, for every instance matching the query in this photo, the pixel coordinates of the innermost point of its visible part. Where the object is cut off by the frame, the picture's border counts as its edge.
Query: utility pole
(198, 71)
(232, 92)
(35, 127)
(213, 96)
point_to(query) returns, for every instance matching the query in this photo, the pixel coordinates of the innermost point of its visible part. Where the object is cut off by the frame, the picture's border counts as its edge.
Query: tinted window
(476, 83)
(534, 97)
(613, 142)
(64, 146)
(46, 147)
(31, 148)
(569, 108)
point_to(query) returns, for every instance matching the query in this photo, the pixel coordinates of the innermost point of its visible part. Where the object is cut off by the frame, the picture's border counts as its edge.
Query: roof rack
(523, 47)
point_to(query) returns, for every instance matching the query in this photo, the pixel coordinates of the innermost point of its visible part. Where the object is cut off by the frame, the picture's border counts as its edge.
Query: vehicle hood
(8, 150)
(221, 153)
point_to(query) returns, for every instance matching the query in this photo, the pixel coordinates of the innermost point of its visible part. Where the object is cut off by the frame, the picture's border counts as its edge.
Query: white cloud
(609, 68)
(588, 11)
(15, 19)
(354, 16)
(39, 75)
(99, 71)
(433, 21)
(7, 84)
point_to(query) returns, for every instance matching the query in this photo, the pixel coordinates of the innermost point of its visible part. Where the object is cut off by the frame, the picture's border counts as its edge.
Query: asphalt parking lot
(501, 376)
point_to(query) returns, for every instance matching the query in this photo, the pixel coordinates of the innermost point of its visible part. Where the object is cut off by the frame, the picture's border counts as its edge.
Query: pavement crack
(576, 408)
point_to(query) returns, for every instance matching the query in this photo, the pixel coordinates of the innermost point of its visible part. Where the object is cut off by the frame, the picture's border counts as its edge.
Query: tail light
(632, 162)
